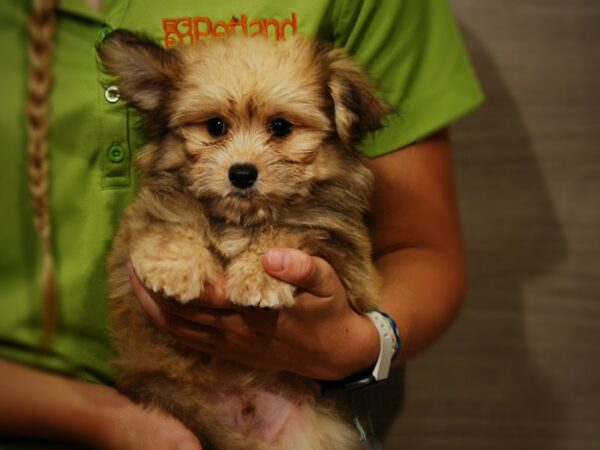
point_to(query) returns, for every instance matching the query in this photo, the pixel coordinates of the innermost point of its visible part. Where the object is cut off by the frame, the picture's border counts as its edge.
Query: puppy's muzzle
(243, 176)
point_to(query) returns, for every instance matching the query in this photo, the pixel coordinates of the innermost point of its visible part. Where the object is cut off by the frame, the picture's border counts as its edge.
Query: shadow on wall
(479, 388)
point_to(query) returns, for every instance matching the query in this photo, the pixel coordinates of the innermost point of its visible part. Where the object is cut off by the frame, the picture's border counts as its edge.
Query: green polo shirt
(411, 48)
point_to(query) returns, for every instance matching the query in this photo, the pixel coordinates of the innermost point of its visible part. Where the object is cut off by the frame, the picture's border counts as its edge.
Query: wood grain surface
(521, 368)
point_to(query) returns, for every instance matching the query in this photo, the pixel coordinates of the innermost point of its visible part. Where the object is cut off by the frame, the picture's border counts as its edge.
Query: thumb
(297, 268)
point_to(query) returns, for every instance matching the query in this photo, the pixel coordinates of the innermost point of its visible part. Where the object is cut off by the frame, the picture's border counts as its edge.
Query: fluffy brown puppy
(251, 146)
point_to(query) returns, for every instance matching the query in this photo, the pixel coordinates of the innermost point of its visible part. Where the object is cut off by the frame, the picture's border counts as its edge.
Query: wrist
(102, 419)
(83, 417)
(388, 347)
(361, 347)
(369, 351)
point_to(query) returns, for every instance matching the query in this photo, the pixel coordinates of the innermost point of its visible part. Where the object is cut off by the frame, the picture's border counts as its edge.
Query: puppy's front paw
(178, 271)
(249, 285)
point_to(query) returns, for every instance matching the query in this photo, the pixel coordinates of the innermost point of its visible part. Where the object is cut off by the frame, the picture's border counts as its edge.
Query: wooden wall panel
(521, 368)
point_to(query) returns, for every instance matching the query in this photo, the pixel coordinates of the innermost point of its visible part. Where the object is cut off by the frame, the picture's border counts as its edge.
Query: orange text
(187, 30)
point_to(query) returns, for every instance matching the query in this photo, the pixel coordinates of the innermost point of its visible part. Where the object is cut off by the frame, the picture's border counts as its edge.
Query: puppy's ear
(357, 109)
(145, 70)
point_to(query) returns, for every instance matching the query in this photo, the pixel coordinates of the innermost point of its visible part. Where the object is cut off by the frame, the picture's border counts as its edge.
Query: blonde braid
(42, 27)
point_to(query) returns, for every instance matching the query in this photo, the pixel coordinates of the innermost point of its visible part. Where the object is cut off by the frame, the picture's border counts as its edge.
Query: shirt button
(112, 94)
(116, 153)
(104, 31)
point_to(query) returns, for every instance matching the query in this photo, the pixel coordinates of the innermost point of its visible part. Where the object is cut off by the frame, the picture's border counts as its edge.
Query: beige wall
(521, 368)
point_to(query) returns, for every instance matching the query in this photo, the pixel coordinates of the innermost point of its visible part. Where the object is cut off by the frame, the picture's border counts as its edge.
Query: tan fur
(189, 225)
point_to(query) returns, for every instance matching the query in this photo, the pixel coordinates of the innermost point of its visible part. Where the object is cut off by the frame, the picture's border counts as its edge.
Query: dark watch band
(353, 382)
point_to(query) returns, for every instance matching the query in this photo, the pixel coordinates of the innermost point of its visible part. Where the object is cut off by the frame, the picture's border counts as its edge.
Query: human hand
(320, 337)
(44, 405)
(139, 428)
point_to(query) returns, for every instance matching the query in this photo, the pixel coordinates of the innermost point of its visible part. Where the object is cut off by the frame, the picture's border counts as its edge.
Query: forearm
(422, 290)
(44, 405)
(417, 240)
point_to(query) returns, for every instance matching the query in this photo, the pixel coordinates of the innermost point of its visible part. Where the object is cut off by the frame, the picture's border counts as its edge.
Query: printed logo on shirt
(187, 30)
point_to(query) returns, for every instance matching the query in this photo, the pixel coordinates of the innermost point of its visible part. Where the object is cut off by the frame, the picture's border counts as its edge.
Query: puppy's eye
(216, 126)
(280, 127)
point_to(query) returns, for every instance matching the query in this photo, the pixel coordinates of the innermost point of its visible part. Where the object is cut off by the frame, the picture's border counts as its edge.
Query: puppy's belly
(259, 414)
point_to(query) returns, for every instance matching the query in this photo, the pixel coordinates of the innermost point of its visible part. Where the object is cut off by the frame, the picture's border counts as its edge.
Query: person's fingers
(186, 330)
(310, 273)
(209, 317)
(147, 299)
(214, 296)
(203, 347)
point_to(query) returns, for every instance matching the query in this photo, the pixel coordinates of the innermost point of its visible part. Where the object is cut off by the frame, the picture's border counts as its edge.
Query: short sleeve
(413, 51)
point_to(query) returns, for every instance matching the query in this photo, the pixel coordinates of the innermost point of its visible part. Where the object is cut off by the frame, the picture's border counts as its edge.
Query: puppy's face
(253, 117)
(251, 126)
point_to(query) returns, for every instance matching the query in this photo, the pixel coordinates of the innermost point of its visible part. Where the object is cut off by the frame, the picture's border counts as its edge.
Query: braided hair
(42, 27)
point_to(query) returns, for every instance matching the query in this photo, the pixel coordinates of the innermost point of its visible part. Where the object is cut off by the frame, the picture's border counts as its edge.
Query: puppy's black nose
(243, 176)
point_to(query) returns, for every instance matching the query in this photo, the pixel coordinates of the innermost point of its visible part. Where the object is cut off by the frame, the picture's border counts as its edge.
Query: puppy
(251, 146)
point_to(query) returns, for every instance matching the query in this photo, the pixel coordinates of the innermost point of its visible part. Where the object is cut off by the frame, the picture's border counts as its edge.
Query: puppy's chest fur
(229, 241)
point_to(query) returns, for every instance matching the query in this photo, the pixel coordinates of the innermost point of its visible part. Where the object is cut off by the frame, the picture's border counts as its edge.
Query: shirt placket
(114, 141)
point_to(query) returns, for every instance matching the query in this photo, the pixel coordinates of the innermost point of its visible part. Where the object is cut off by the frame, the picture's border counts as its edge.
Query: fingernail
(277, 260)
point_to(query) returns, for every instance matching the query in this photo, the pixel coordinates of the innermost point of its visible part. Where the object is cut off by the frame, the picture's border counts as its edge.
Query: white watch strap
(386, 345)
